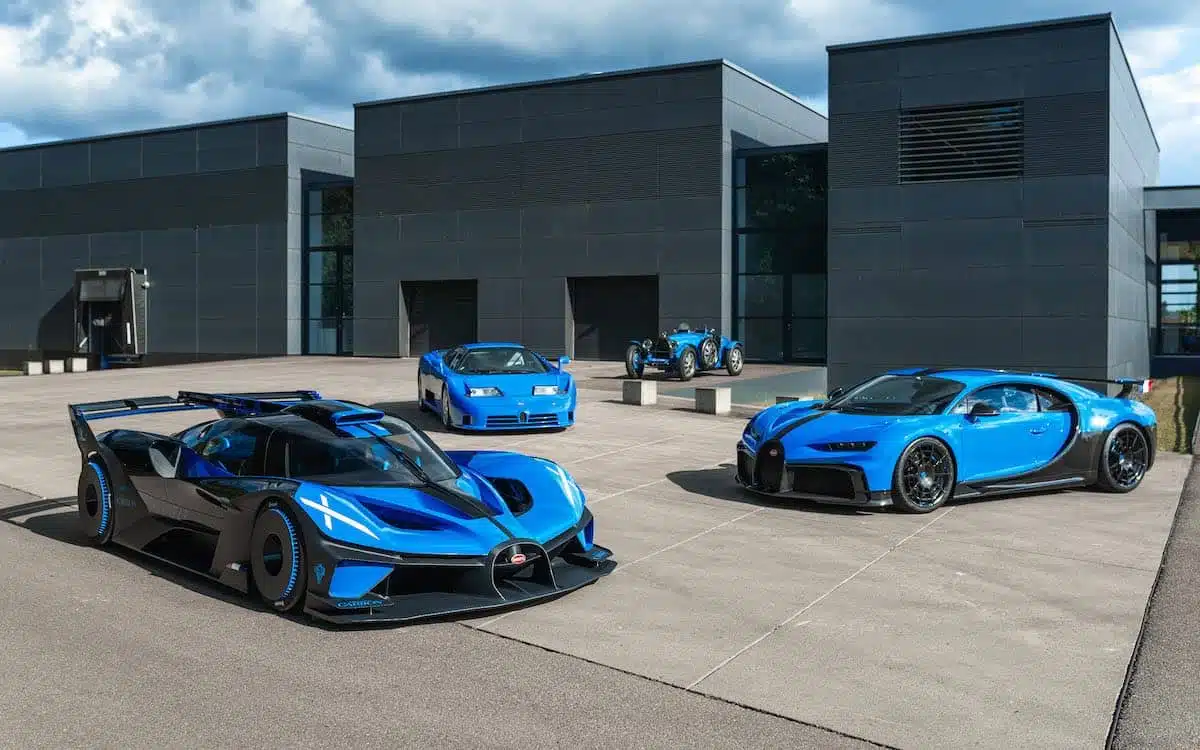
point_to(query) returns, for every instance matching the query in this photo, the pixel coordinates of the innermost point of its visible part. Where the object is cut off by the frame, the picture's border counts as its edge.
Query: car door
(1002, 443)
(438, 373)
(1054, 430)
(202, 487)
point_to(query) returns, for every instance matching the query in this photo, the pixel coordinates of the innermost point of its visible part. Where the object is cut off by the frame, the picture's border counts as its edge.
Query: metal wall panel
(524, 188)
(204, 209)
(999, 272)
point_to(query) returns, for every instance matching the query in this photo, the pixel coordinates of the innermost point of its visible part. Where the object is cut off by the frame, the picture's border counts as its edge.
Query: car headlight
(854, 446)
(647, 344)
(487, 391)
(545, 390)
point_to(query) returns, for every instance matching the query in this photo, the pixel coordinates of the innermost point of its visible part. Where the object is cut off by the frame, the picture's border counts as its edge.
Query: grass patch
(1176, 402)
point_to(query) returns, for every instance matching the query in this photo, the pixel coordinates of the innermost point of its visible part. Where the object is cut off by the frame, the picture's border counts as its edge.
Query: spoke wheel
(708, 353)
(924, 477)
(634, 366)
(734, 361)
(1125, 460)
(687, 364)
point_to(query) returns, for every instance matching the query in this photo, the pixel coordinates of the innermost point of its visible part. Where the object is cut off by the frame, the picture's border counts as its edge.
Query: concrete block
(714, 400)
(55, 366)
(640, 392)
(32, 368)
(77, 364)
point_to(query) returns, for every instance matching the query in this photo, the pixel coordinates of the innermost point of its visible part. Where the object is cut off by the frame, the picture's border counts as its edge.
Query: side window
(240, 451)
(1051, 401)
(1006, 399)
(275, 458)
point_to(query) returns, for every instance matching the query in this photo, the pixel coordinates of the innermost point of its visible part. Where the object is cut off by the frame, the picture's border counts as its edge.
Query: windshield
(898, 395)
(373, 460)
(500, 360)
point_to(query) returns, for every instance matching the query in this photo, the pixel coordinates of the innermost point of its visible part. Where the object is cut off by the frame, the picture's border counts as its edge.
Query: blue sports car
(685, 352)
(916, 438)
(496, 386)
(332, 508)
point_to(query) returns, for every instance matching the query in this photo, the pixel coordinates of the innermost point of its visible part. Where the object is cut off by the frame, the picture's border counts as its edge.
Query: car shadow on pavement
(429, 422)
(719, 484)
(58, 519)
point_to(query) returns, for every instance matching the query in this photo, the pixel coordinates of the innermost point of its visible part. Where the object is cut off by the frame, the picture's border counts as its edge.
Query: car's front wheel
(687, 364)
(447, 419)
(924, 476)
(734, 361)
(97, 512)
(634, 364)
(421, 406)
(1124, 460)
(277, 560)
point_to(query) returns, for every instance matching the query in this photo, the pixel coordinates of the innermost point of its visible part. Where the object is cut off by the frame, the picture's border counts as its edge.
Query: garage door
(610, 311)
(441, 314)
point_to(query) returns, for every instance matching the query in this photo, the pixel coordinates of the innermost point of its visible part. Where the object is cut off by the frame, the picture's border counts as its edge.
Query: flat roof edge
(171, 129)
(981, 31)
(545, 82)
(772, 87)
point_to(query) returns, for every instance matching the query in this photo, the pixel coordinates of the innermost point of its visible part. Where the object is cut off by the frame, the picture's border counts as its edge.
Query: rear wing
(228, 404)
(1129, 386)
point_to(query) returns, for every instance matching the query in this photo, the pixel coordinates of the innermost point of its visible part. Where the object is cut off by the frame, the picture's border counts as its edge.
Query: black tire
(1124, 460)
(709, 349)
(735, 360)
(924, 476)
(634, 364)
(97, 511)
(687, 364)
(447, 422)
(278, 564)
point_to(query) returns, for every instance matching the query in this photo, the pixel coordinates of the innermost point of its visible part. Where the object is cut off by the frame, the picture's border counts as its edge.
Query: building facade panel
(971, 239)
(598, 178)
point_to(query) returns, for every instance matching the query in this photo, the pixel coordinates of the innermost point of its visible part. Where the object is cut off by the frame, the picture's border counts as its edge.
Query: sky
(72, 68)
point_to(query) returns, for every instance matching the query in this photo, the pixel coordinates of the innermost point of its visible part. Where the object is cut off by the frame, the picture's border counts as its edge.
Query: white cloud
(1166, 63)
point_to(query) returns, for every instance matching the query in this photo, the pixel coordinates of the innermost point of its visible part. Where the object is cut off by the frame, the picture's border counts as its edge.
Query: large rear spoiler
(1128, 385)
(228, 404)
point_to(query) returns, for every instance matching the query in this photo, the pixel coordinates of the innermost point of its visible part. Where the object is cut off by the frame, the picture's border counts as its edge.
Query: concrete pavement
(989, 624)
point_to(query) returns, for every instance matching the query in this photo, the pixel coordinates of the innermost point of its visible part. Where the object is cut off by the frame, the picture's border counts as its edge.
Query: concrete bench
(639, 392)
(55, 366)
(714, 400)
(32, 368)
(77, 364)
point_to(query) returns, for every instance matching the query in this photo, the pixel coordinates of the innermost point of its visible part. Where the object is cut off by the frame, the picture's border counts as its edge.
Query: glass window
(333, 200)
(1006, 399)
(739, 172)
(327, 230)
(763, 338)
(322, 267)
(499, 360)
(239, 451)
(374, 460)
(324, 301)
(760, 295)
(1178, 293)
(757, 253)
(808, 338)
(322, 336)
(784, 189)
(899, 395)
(808, 295)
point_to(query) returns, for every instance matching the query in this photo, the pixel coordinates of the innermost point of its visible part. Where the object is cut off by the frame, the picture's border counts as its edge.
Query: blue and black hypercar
(915, 438)
(684, 352)
(334, 509)
(496, 386)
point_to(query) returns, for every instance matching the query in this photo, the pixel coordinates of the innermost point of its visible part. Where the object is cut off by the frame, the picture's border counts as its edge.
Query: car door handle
(1037, 430)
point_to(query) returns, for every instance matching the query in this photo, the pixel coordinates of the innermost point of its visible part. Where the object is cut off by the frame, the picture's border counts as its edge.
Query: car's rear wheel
(1124, 460)
(97, 512)
(277, 560)
(687, 364)
(734, 361)
(634, 364)
(924, 476)
(708, 353)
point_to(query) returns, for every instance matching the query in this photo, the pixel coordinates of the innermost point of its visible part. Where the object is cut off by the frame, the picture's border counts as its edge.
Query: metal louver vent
(973, 142)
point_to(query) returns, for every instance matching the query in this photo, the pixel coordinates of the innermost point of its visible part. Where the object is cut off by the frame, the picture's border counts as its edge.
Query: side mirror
(839, 391)
(164, 457)
(564, 360)
(981, 409)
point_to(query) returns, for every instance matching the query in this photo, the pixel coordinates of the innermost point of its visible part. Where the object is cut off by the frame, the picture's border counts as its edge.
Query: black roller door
(441, 314)
(610, 311)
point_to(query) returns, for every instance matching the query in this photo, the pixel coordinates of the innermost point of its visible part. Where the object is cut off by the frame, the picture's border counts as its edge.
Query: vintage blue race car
(916, 438)
(685, 352)
(496, 386)
(333, 508)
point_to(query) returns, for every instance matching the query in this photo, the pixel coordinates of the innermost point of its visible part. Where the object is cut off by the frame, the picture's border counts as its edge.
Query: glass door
(329, 271)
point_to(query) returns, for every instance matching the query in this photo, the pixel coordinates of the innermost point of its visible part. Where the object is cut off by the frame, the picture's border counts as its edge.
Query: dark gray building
(571, 215)
(213, 212)
(985, 202)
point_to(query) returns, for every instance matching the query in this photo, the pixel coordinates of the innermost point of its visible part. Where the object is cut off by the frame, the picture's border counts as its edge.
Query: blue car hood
(519, 384)
(820, 426)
